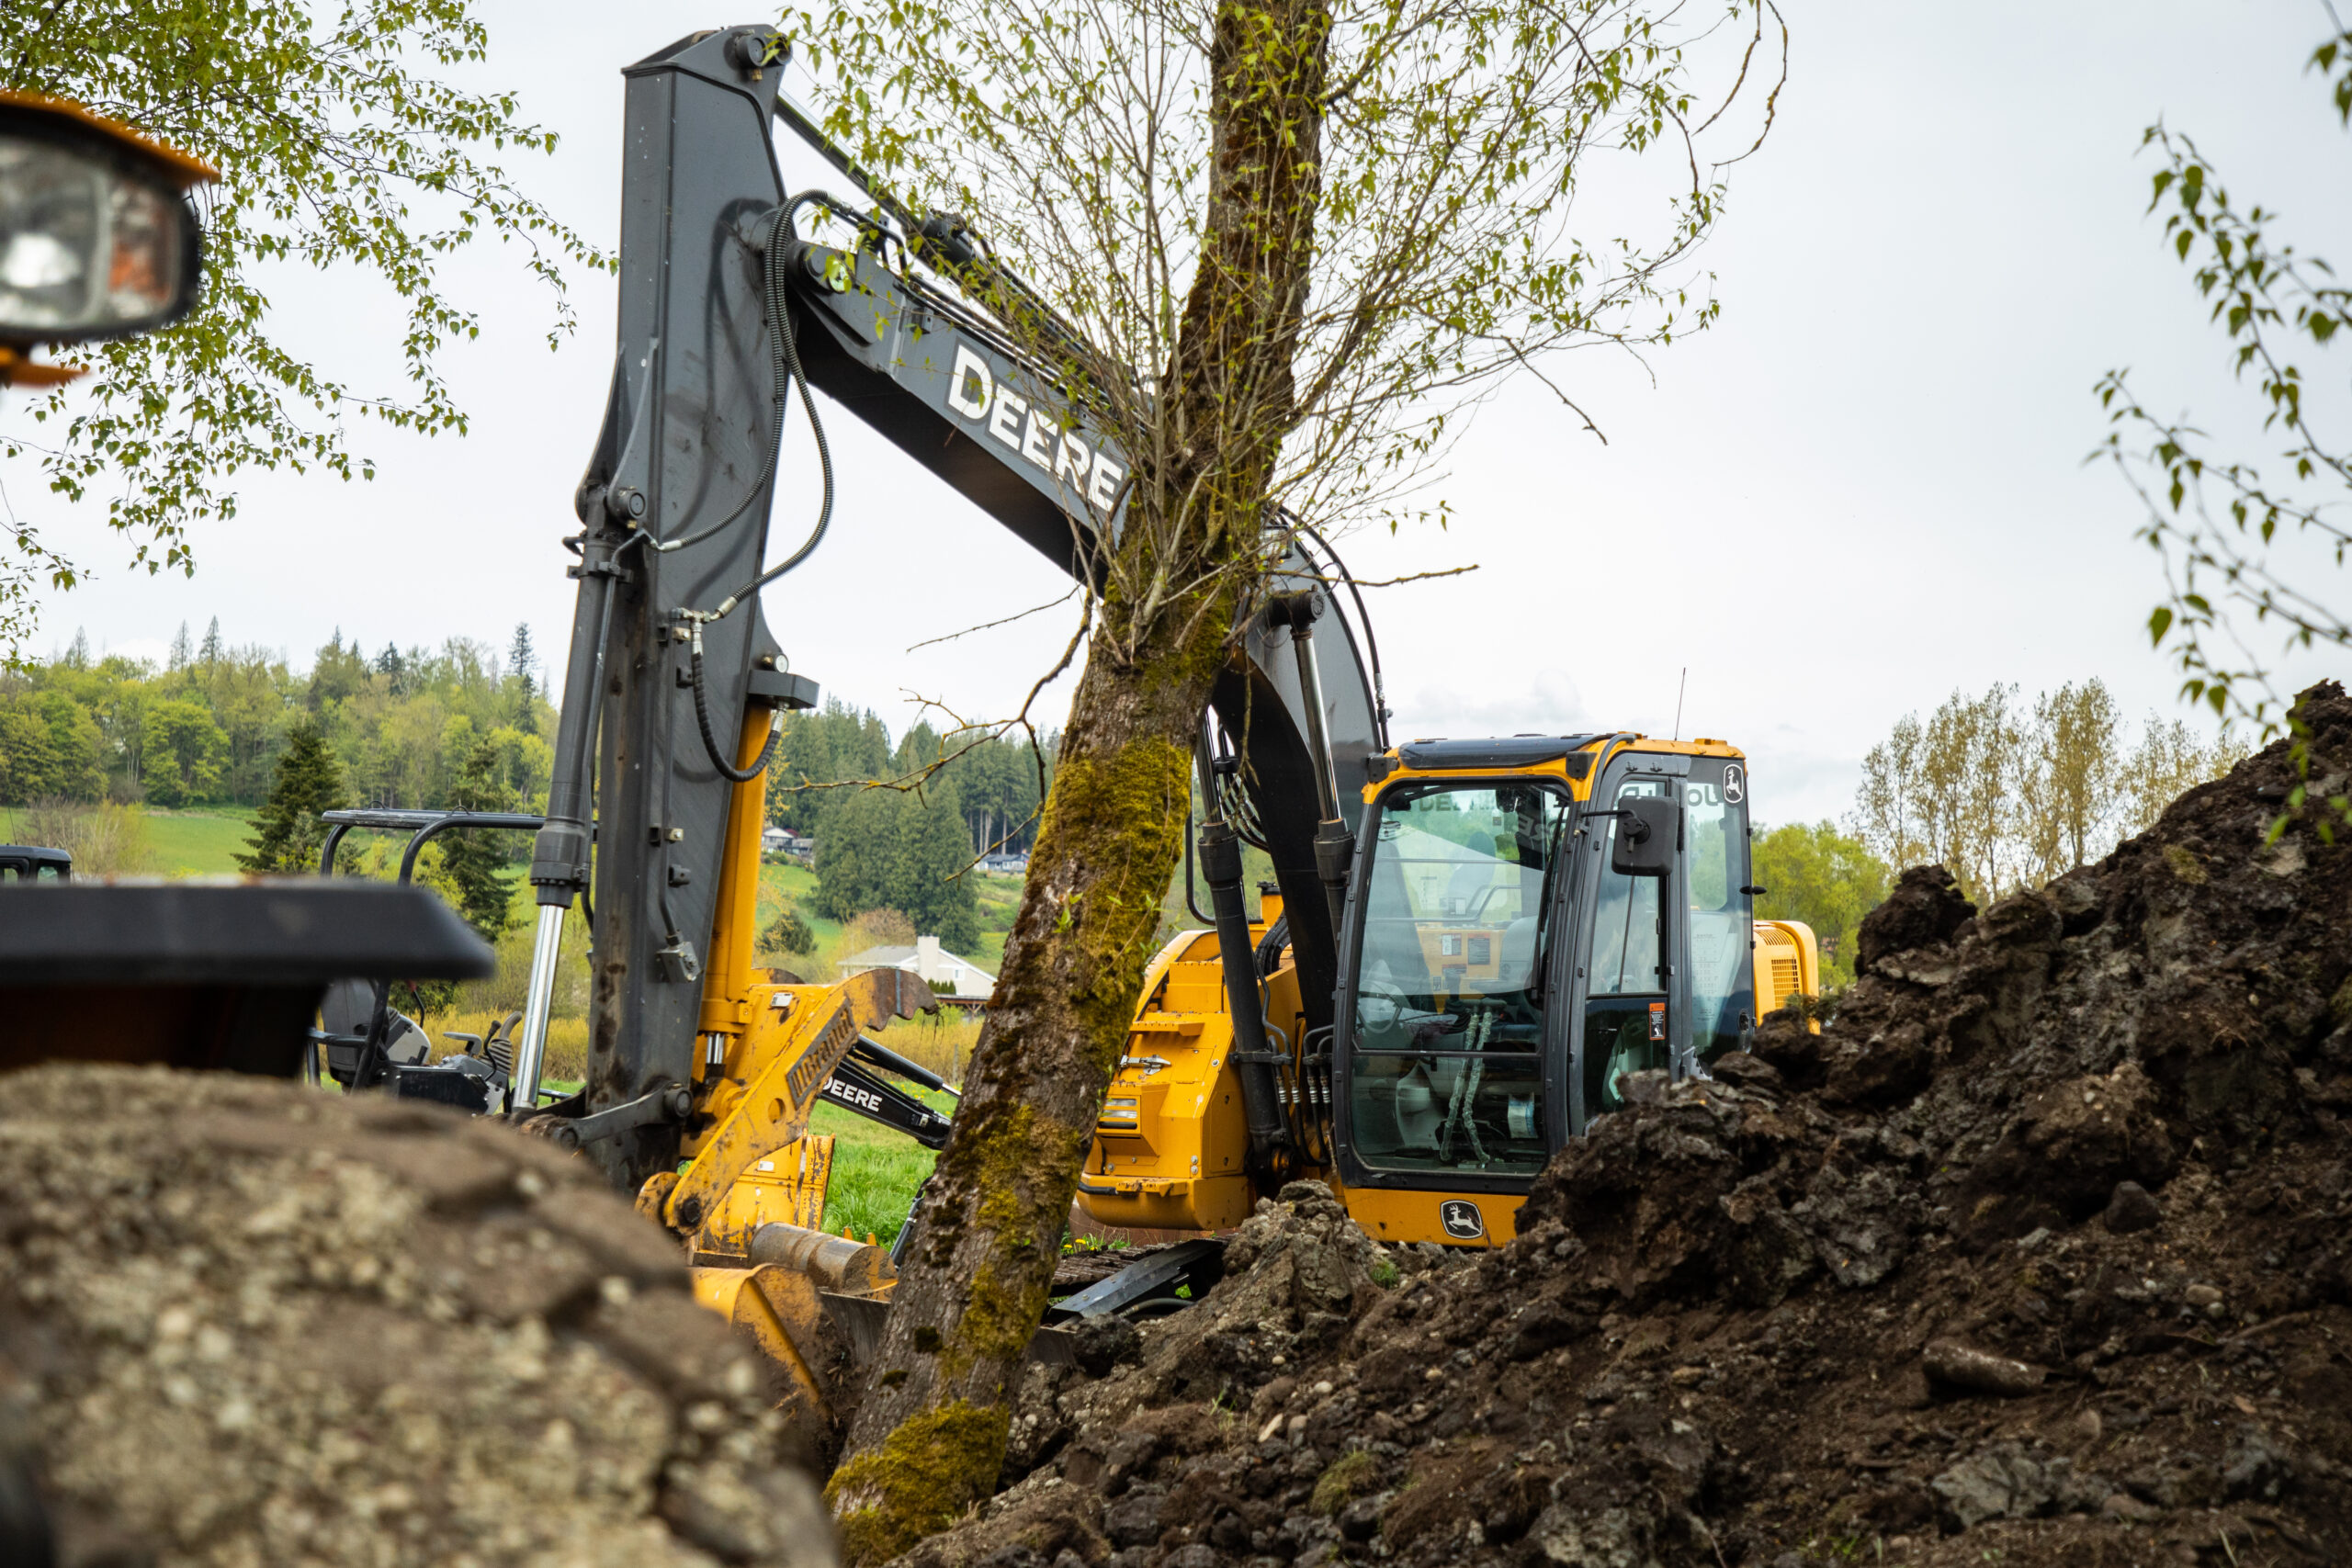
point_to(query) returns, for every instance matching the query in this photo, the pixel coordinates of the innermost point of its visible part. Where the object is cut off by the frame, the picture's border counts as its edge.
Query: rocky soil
(244, 1323)
(2040, 1252)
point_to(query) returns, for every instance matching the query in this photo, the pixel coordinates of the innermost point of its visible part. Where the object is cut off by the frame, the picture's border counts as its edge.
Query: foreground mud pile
(243, 1322)
(2040, 1253)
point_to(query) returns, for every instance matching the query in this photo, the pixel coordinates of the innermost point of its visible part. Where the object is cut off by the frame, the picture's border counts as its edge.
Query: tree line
(2003, 794)
(467, 725)
(898, 826)
(210, 725)
(2008, 795)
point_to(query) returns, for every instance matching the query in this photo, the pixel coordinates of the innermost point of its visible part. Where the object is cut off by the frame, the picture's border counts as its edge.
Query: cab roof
(1533, 750)
(1500, 751)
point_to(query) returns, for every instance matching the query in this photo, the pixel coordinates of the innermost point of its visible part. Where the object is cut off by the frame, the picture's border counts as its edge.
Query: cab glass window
(1723, 978)
(1446, 1070)
(1625, 994)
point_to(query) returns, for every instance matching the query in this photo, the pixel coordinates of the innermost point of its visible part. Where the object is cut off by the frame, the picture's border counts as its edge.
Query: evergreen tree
(307, 781)
(396, 669)
(182, 650)
(854, 853)
(790, 934)
(210, 651)
(475, 861)
(886, 849)
(524, 661)
(77, 657)
(928, 880)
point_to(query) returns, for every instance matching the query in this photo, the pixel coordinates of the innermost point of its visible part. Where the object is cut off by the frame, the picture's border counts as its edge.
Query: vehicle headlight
(96, 240)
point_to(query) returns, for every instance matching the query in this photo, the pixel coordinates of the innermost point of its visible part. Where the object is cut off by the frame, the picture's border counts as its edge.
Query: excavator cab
(1530, 923)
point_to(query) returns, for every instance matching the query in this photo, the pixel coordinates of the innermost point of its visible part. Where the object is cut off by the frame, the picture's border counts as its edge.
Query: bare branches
(992, 626)
(1415, 577)
(1078, 139)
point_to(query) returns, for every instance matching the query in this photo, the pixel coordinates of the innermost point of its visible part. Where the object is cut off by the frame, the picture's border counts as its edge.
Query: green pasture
(875, 1172)
(203, 841)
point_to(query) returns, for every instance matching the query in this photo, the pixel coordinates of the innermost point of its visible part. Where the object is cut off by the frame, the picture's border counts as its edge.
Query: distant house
(1013, 864)
(945, 974)
(783, 841)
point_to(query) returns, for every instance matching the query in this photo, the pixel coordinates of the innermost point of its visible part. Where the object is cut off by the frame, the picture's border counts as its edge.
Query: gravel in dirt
(246, 1323)
(2040, 1252)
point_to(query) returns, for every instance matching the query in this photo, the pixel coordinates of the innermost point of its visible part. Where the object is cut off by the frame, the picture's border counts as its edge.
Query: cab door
(1718, 910)
(1663, 977)
(1632, 1001)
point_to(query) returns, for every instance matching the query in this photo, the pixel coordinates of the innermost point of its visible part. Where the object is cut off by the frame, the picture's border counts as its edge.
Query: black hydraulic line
(786, 350)
(1191, 903)
(803, 124)
(871, 1052)
(942, 240)
(702, 721)
(1260, 1105)
(791, 345)
(1270, 946)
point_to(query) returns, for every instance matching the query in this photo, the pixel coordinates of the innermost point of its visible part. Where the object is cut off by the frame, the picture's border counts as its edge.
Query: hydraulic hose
(786, 348)
(702, 720)
(783, 357)
(785, 345)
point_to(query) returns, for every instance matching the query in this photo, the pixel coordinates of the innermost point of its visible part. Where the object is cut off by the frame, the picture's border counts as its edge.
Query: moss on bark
(924, 1475)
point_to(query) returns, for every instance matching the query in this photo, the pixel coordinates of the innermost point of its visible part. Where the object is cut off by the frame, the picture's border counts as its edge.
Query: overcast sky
(1862, 490)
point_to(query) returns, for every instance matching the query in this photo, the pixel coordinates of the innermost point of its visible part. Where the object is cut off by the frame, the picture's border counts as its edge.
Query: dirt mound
(243, 1322)
(2037, 1253)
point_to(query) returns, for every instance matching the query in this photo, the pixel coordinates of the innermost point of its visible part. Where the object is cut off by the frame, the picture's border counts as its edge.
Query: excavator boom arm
(675, 510)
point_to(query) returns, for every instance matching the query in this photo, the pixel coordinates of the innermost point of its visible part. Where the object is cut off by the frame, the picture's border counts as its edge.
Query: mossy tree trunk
(931, 1436)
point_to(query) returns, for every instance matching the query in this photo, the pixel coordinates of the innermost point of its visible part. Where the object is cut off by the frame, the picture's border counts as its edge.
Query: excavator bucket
(796, 1292)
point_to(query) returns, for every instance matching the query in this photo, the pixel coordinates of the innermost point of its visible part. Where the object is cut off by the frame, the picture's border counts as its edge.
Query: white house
(775, 840)
(945, 972)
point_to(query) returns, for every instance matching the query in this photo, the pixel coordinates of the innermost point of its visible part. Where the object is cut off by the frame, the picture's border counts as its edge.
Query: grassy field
(197, 842)
(876, 1172)
(201, 841)
(999, 898)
